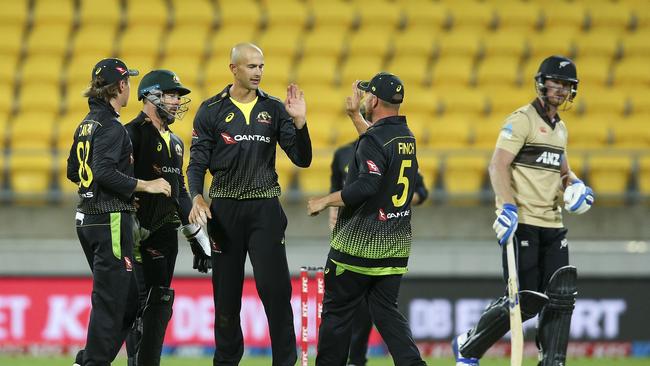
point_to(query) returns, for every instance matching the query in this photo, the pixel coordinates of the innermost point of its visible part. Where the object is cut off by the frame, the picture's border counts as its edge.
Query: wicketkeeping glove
(506, 223)
(578, 198)
(201, 245)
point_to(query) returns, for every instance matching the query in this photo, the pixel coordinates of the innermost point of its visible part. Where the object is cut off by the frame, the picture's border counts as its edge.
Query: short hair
(97, 89)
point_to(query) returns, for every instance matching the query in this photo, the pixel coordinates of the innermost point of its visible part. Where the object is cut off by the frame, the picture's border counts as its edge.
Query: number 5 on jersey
(402, 179)
(85, 173)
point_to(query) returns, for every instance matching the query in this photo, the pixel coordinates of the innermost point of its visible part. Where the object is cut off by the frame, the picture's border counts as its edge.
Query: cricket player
(532, 181)
(235, 136)
(371, 240)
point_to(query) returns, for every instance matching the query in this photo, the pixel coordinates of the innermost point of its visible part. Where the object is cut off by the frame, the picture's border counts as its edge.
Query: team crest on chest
(264, 117)
(179, 150)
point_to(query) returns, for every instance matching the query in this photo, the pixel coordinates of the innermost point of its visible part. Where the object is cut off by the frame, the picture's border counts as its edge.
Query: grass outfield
(265, 361)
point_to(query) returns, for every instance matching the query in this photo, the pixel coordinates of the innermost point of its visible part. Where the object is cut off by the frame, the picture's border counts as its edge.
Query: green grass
(265, 361)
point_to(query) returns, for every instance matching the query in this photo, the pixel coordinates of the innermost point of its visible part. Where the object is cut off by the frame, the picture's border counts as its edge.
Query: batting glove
(578, 197)
(506, 223)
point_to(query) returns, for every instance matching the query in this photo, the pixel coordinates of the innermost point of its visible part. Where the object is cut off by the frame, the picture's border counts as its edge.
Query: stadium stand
(466, 66)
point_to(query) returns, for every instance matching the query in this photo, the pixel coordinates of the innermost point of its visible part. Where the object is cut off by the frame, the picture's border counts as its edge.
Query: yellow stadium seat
(426, 15)
(459, 43)
(471, 15)
(65, 129)
(452, 72)
(609, 175)
(429, 168)
(94, 40)
(464, 101)
(598, 43)
(612, 16)
(418, 99)
(464, 175)
(152, 13)
(316, 71)
(14, 13)
(594, 70)
(104, 13)
(277, 69)
(227, 36)
(449, 133)
(324, 41)
(387, 15)
(75, 103)
(337, 14)
(79, 69)
(589, 132)
(418, 123)
(140, 40)
(12, 40)
(519, 17)
(48, 40)
(369, 42)
(32, 131)
(486, 131)
(417, 41)
(286, 171)
(359, 68)
(282, 13)
(46, 12)
(217, 73)
(315, 179)
(412, 70)
(66, 186)
(505, 100)
(323, 99)
(641, 13)
(552, 41)
(189, 40)
(200, 13)
(636, 44)
(30, 174)
(322, 126)
(632, 71)
(42, 70)
(564, 14)
(632, 133)
(344, 133)
(8, 66)
(280, 42)
(644, 176)
(577, 162)
(639, 99)
(503, 70)
(6, 101)
(185, 66)
(506, 43)
(40, 98)
(602, 100)
(239, 12)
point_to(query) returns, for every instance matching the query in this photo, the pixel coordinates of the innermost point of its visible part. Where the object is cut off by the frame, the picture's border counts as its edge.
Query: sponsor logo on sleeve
(372, 167)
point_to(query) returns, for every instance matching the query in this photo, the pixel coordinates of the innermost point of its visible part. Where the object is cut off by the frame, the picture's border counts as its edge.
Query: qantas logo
(253, 138)
(383, 216)
(227, 139)
(194, 134)
(372, 167)
(120, 70)
(127, 264)
(549, 158)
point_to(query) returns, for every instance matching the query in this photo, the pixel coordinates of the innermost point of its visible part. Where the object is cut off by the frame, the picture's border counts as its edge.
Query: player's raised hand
(315, 206)
(353, 102)
(295, 105)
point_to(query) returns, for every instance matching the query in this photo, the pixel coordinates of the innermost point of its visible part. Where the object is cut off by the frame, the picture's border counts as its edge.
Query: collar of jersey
(392, 120)
(540, 110)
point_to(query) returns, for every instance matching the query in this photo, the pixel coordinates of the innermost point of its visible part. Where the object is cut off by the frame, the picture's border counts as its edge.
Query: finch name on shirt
(406, 148)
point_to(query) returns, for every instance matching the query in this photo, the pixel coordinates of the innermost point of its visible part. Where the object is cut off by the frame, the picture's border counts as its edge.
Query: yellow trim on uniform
(371, 271)
(245, 108)
(166, 136)
(115, 234)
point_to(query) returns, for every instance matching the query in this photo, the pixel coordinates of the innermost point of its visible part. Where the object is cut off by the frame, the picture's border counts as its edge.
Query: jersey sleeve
(421, 188)
(336, 175)
(372, 164)
(107, 145)
(514, 133)
(202, 144)
(72, 171)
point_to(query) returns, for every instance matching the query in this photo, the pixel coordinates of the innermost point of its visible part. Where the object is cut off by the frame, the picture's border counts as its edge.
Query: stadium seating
(644, 176)
(466, 65)
(315, 179)
(30, 174)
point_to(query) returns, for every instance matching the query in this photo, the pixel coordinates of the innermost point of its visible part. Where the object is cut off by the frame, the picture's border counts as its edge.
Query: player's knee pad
(555, 317)
(155, 316)
(495, 322)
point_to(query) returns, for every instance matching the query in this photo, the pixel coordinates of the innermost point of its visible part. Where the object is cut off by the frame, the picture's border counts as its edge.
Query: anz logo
(549, 158)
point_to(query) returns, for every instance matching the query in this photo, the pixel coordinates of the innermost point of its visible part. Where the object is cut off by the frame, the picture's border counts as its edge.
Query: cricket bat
(516, 329)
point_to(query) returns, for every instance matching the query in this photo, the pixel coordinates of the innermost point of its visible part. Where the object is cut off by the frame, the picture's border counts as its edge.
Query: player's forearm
(333, 200)
(500, 177)
(359, 123)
